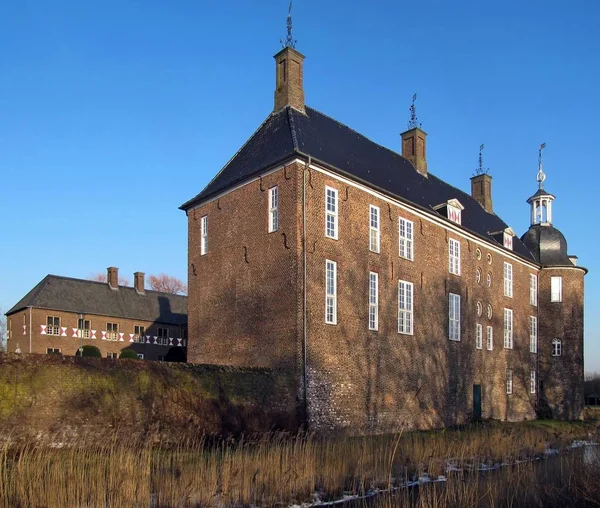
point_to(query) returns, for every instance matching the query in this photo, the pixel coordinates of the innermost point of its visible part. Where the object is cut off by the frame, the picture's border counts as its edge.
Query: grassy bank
(277, 469)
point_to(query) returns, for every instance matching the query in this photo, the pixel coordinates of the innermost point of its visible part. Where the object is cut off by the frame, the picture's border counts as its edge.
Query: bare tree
(2, 331)
(167, 284)
(101, 277)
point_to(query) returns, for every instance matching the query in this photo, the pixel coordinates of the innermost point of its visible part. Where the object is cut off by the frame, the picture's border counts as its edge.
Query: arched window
(557, 347)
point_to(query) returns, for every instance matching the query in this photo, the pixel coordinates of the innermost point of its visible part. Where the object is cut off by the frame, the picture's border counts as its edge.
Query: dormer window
(505, 237)
(508, 240)
(451, 209)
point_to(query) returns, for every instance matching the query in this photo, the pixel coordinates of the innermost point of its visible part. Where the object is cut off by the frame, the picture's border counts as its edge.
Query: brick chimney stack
(414, 148)
(112, 277)
(289, 87)
(138, 283)
(481, 190)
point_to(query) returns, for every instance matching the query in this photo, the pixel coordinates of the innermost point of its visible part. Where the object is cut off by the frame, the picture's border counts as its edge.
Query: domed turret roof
(547, 244)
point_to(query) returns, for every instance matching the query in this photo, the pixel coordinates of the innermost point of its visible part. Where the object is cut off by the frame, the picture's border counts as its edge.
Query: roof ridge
(191, 201)
(76, 279)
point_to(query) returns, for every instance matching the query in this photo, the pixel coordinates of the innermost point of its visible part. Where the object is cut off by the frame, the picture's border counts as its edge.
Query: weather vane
(480, 170)
(541, 176)
(289, 40)
(412, 124)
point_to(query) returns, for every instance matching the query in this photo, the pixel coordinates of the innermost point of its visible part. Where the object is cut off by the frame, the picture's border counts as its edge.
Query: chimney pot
(481, 191)
(112, 277)
(138, 278)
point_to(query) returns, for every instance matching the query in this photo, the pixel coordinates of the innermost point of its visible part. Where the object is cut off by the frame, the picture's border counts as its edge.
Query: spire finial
(412, 124)
(289, 40)
(481, 170)
(541, 176)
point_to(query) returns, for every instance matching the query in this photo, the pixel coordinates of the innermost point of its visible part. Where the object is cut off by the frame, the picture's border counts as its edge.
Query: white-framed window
(162, 336)
(454, 317)
(140, 356)
(479, 309)
(374, 228)
(556, 289)
(273, 209)
(508, 328)
(490, 338)
(479, 336)
(330, 292)
(478, 276)
(490, 311)
(112, 356)
(53, 325)
(489, 280)
(406, 230)
(556, 347)
(508, 279)
(83, 328)
(204, 235)
(139, 333)
(112, 331)
(52, 350)
(373, 301)
(509, 381)
(454, 256)
(405, 307)
(532, 383)
(331, 213)
(533, 289)
(533, 334)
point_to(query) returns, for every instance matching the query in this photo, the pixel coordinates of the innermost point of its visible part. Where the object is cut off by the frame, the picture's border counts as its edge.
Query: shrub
(128, 353)
(90, 352)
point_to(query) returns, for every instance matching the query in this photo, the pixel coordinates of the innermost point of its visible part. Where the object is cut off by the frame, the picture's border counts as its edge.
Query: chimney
(138, 283)
(112, 277)
(414, 148)
(481, 190)
(289, 89)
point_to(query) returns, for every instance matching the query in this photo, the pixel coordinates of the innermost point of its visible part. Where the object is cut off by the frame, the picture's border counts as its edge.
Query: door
(476, 402)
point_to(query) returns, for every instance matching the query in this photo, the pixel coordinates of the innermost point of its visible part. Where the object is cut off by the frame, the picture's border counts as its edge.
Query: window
(163, 337)
(454, 317)
(139, 334)
(140, 356)
(204, 235)
(532, 382)
(557, 347)
(331, 213)
(406, 235)
(478, 275)
(479, 336)
(489, 258)
(490, 338)
(112, 356)
(52, 350)
(489, 280)
(373, 228)
(454, 214)
(53, 327)
(454, 256)
(533, 334)
(373, 298)
(533, 289)
(508, 241)
(273, 209)
(405, 307)
(331, 292)
(509, 383)
(83, 328)
(489, 311)
(556, 289)
(112, 329)
(478, 254)
(508, 328)
(479, 309)
(508, 280)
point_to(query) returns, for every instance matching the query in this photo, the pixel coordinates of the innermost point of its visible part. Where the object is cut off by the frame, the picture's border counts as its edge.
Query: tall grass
(269, 470)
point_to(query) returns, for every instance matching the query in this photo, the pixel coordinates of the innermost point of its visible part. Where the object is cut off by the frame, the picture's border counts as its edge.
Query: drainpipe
(30, 309)
(304, 310)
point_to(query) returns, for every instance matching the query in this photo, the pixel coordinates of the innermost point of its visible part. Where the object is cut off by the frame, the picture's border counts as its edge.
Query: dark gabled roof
(547, 244)
(287, 133)
(90, 297)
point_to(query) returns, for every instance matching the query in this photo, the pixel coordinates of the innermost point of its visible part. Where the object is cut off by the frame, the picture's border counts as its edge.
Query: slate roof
(90, 297)
(548, 245)
(288, 133)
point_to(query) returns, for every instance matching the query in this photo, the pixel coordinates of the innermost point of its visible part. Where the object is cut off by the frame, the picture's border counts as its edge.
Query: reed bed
(278, 469)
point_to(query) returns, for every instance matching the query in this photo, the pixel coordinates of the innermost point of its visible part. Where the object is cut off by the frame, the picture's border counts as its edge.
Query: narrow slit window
(204, 235)
(373, 301)
(331, 213)
(533, 289)
(508, 280)
(331, 292)
(406, 236)
(490, 338)
(508, 329)
(405, 307)
(533, 334)
(532, 383)
(273, 209)
(374, 233)
(509, 381)
(479, 336)
(454, 256)
(454, 317)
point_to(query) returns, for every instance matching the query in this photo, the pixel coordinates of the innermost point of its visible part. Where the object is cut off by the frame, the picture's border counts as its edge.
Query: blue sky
(114, 113)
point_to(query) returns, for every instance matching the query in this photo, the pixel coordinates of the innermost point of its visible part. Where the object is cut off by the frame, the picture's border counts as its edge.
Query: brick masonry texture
(62, 398)
(19, 334)
(245, 309)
